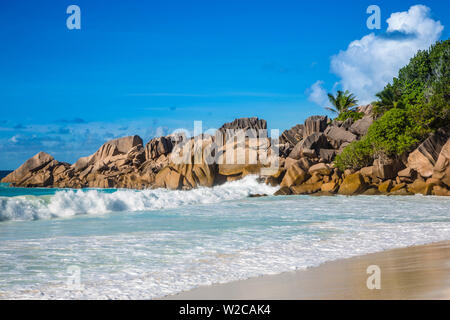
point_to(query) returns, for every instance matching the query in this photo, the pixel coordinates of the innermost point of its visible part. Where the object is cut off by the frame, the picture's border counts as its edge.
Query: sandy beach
(418, 272)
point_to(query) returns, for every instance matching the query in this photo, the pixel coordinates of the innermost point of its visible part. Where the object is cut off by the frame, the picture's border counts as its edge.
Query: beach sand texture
(418, 272)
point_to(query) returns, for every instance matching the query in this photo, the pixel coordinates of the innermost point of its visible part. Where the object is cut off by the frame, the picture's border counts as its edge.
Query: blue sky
(149, 67)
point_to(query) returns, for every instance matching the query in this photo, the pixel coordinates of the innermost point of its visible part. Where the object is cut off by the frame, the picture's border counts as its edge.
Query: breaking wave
(67, 203)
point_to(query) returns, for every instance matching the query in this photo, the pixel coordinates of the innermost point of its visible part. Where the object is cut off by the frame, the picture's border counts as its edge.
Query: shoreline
(414, 272)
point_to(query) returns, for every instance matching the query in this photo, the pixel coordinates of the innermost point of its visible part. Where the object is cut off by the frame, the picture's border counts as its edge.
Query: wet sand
(419, 272)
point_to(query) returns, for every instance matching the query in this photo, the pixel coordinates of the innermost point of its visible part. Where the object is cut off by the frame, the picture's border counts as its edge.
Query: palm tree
(342, 102)
(388, 99)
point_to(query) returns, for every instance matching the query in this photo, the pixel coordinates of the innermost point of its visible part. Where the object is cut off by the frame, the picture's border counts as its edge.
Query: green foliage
(388, 98)
(355, 115)
(423, 85)
(357, 154)
(391, 135)
(415, 104)
(342, 102)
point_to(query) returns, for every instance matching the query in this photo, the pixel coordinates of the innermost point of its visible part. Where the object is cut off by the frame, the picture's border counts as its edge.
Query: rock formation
(170, 162)
(301, 163)
(27, 170)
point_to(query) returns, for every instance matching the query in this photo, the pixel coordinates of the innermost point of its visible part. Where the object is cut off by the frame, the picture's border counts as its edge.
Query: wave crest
(67, 203)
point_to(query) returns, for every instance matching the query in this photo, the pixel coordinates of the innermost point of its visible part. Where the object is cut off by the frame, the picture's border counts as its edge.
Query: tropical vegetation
(415, 104)
(343, 105)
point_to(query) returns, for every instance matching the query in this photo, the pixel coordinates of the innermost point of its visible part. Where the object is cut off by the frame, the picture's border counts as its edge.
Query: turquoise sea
(127, 244)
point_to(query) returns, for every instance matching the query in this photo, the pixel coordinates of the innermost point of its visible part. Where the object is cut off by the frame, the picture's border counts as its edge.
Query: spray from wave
(69, 203)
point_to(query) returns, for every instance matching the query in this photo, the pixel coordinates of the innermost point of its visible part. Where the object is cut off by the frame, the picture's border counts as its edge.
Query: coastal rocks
(81, 163)
(310, 146)
(276, 178)
(293, 135)
(418, 161)
(244, 157)
(230, 162)
(107, 151)
(307, 188)
(294, 176)
(367, 109)
(387, 168)
(441, 169)
(440, 191)
(315, 124)
(126, 143)
(371, 192)
(109, 165)
(254, 124)
(40, 179)
(153, 166)
(158, 147)
(318, 179)
(353, 184)
(100, 181)
(425, 156)
(197, 175)
(320, 168)
(368, 171)
(443, 176)
(346, 124)
(338, 135)
(327, 155)
(407, 175)
(361, 126)
(114, 164)
(136, 156)
(386, 176)
(316, 139)
(168, 178)
(33, 164)
(283, 191)
(303, 166)
(420, 186)
(187, 166)
(166, 162)
(443, 160)
(35, 172)
(385, 186)
(331, 187)
(398, 187)
(62, 171)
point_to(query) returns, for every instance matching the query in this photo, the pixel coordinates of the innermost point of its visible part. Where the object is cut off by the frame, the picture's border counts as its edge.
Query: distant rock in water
(257, 195)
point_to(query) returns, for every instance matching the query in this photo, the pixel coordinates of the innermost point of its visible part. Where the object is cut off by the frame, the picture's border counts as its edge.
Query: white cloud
(14, 139)
(415, 21)
(318, 94)
(368, 64)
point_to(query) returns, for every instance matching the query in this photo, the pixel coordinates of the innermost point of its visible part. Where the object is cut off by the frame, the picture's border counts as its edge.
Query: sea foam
(67, 203)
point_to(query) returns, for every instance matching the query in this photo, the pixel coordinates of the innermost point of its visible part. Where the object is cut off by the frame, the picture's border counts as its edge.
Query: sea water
(128, 244)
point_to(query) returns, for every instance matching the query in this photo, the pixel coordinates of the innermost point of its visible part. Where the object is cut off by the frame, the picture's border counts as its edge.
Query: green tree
(416, 103)
(342, 102)
(388, 99)
(422, 86)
